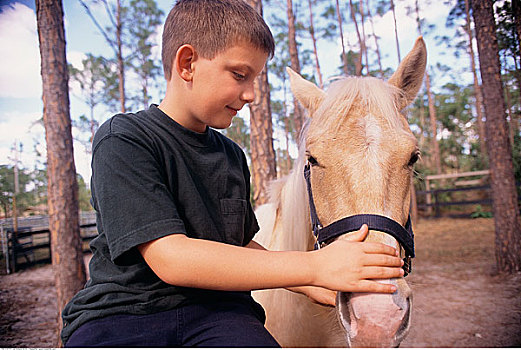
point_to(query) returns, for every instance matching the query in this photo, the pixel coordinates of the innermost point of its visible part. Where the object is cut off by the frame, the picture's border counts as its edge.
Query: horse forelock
(369, 93)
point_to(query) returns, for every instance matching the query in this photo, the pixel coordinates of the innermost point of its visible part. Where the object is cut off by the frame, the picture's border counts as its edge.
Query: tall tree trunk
(92, 125)
(477, 87)
(396, 31)
(432, 107)
(414, 203)
(121, 66)
(358, 62)
(375, 40)
(516, 10)
(362, 17)
(116, 45)
(298, 115)
(504, 194)
(509, 115)
(288, 157)
(67, 255)
(314, 40)
(341, 31)
(434, 130)
(287, 126)
(512, 122)
(263, 163)
(422, 123)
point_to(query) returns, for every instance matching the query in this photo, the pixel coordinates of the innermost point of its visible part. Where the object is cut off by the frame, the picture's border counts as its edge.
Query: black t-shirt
(151, 177)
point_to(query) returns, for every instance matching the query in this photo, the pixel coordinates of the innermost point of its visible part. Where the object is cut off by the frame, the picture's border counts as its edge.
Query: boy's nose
(248, 94)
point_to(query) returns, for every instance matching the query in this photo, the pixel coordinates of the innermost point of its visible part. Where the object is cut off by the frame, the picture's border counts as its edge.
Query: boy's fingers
(358, 236)
(382, 260)
(380, 272)
(379, 248)
(367, 286)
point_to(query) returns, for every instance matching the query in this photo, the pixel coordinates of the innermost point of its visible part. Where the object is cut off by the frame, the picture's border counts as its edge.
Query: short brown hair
(212, 26)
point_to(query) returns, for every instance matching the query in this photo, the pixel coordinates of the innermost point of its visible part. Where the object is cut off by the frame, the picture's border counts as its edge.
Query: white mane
(290, 198)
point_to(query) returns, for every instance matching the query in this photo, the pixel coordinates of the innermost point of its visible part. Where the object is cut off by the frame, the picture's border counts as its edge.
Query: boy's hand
(350, 265)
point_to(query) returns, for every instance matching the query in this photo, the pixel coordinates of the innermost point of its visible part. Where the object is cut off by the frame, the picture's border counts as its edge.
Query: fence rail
(31, 244)
(437, 203)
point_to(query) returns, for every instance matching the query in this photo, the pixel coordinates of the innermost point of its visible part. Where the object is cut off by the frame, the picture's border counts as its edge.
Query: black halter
(403, 235)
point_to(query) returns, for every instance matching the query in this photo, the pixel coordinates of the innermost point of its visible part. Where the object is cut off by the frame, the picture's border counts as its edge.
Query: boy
(174, 261)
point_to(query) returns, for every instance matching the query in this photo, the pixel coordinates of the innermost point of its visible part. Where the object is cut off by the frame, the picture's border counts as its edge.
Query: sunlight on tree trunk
(358, 62)
(396, 31)
(362, 16)
(121, 67)
(298, 114)
(341, 31)
(477, 87)
(375, 40)
(432, 108)
(67, 256)
(504, 193)
(263, 163)
(432, 117)
(314, 40)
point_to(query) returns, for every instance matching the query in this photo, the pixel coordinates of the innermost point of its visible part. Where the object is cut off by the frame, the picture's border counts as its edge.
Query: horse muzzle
(375, 319)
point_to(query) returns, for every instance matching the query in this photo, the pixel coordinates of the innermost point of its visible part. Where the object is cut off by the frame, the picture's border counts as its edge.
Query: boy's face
(221, 86)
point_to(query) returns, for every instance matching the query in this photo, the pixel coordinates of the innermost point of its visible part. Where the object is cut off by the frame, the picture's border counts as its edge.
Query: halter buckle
(407, 265)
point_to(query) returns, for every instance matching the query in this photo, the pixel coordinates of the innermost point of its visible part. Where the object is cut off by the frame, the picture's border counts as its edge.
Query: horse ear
(307, 93)
(409, 75)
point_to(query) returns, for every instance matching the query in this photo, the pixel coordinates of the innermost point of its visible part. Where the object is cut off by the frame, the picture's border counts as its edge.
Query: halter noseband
(403, 235)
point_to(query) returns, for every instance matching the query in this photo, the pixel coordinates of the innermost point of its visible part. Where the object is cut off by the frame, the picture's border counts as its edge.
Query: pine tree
(263, 163)
(67, 255)
(504, 194)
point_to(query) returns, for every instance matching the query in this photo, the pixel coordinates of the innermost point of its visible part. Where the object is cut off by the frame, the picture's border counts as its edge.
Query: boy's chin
(224, 124)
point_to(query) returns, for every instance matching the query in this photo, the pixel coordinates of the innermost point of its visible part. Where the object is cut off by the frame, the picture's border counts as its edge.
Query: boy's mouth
(233, 110)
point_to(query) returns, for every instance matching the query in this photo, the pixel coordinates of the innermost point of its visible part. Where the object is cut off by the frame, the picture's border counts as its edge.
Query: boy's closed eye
(239, 76)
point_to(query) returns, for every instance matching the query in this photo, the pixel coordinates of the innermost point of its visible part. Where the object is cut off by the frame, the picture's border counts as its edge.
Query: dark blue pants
(216, 324)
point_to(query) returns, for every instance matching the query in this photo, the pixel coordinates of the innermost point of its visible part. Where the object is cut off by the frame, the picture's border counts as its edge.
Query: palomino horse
(361, 152)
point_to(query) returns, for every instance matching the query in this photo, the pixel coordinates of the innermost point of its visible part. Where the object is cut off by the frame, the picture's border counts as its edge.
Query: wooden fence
(436, 203)
(438, 198)
(30, 245)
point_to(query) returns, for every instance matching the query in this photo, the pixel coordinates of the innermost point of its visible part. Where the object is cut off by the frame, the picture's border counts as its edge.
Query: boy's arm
(318, 295)
(343, 265)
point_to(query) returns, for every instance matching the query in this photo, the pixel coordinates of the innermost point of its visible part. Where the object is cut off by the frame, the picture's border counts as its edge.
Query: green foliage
(97, 84)
(32, 189)
(83, 195)
(32, 196)
(239, 132)
(480, 213)
(507, 37)
(144, 18)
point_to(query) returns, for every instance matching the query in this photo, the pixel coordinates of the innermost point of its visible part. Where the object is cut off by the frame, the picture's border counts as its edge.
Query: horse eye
(414, 158)
(312, 160)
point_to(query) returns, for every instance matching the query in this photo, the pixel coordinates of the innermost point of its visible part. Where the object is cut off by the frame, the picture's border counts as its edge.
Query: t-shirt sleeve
(130, 194)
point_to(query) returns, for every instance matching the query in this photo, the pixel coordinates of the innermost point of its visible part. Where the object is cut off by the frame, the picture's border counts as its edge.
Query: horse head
(361, 151)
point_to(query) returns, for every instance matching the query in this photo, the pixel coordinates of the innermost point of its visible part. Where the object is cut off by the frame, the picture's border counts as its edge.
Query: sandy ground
(459, 300)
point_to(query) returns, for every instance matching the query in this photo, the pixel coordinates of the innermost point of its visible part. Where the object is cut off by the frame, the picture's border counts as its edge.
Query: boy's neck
(172, 108)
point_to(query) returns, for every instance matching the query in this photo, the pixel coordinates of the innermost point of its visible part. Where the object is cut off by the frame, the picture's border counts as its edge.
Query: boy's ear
(183, 60)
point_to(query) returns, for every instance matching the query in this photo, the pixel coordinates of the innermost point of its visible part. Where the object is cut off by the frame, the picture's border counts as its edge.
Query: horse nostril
(406, 318)
(343, 312)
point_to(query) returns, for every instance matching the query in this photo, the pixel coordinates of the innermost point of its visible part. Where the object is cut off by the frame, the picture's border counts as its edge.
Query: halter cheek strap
(404, 235)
